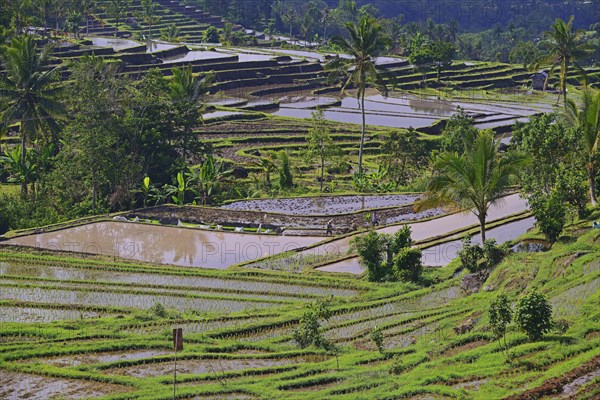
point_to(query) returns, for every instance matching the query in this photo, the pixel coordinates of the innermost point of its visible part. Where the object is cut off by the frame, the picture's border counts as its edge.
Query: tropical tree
(87, 9)
(149, 15)
(187, 93)
(475, 180)
(117, 9)
(73, 23)
(587, 122)
(320, 144)
(367, 42)
(267, 167)
(29, 91)
(563, 47)
(20, 13)
(171, 33)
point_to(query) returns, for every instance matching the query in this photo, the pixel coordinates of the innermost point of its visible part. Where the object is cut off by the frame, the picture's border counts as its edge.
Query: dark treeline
(478, 15)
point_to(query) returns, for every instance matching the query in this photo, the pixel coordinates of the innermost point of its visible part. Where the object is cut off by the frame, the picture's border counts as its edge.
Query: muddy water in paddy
(441, 255)
(201, 366)
(164, 245)
(195, 55)
(512, 204)
(418, 112)
(198, 282)
(323, 205)
(43, 315)
(17, 386)
(97, 358)
(117, 44)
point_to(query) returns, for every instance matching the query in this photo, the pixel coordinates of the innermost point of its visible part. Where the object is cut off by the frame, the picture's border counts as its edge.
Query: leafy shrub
(492, 253)
(309, 331)
(500, 317)
(377, 338)
(401, 239)
(286, 180)
(550, 213)
(388, 257)
(408, 265)
(470, 254)
(370, 249)
(158, 310)
(476, 258)
(533, 315)
(212, 35)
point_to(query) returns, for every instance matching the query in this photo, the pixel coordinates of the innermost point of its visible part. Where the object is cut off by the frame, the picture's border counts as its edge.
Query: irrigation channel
(206, 248)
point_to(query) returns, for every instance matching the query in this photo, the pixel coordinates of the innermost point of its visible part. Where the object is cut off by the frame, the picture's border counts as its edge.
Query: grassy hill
(100, 327)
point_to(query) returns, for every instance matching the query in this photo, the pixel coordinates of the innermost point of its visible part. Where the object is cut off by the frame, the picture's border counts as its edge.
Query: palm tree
(367, 42)
(187, 92)
(587, 121)
(564, 47)
(117, 9)
(30, 93)
(149, 15)
(86, 8)
(475, 180)
(171, 33)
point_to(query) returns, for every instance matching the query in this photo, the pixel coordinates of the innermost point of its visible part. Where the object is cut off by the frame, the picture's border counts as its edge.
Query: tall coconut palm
(149, 15)
(587, 121)
(367, 41)
(564, 48)
(187, 92)
(117, 10)
(87, 9)
(30, 92)
(475, 180)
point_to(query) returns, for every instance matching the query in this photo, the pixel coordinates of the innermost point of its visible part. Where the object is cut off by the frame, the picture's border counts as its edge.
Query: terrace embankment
(290, 224)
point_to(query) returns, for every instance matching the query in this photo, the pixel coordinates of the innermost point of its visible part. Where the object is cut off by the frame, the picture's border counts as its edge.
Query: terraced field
(93, 328)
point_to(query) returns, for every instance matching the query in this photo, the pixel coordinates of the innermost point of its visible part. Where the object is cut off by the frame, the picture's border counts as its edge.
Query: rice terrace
(286, 199)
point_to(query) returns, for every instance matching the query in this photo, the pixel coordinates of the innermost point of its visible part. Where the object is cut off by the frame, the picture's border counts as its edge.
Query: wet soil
(559, 384)
(96, 358)
(17, 386)
(201, 366)
(342, 223)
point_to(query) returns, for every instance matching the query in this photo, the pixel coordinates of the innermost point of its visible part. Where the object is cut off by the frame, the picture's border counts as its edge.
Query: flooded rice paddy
(150, 279)
(101, 297)
(205, 366)
(165, 245)
(409, 110)
(117, 44)
(441, 255)
(25, 314)
(324, 205)
(444, 225)
(18, 386)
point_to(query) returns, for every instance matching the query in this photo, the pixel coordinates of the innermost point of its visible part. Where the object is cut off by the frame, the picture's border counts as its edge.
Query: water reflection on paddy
(164, 245)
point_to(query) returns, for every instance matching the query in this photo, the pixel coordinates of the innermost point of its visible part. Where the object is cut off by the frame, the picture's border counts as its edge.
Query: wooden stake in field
(178, 346)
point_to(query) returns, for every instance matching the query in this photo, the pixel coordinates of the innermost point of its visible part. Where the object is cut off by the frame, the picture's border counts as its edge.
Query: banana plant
(205, 179)
(177, 192)
(150, 192)
(20, 172)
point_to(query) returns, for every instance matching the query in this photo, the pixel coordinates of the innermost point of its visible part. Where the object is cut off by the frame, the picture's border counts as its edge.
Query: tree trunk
(364, 131)
(482, 227)
(94, 190)
(592, 180)
(23, 163)
(322, 172)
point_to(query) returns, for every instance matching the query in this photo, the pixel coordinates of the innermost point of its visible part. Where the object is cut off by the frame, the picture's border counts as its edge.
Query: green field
(96, 327)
